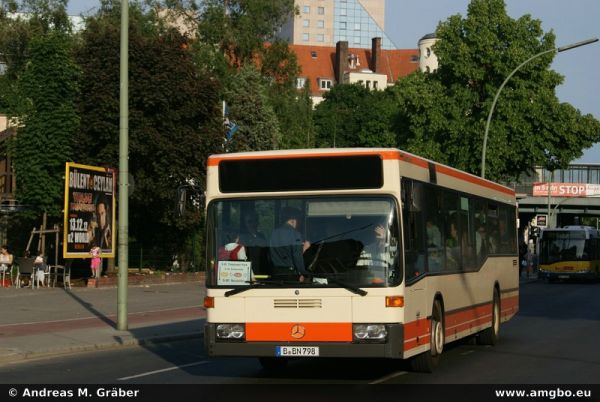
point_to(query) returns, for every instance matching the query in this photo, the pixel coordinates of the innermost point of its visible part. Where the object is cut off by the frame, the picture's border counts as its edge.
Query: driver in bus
(287, 246)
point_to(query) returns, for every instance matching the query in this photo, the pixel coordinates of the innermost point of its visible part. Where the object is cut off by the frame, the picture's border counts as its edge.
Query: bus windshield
(342, 241)
(563, 245)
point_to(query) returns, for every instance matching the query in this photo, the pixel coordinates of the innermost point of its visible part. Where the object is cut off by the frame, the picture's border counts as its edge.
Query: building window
(320, 38)
(300, 82)
(343, 25)
(321, 10)
(305, 37)
(313, 54)
(368, 84)
(306, 9)
(428, 52)
(357, 40)
(324, 84)
(320, 24)
(306, 23)
(343, 11)
(375, 84)
(357, 26)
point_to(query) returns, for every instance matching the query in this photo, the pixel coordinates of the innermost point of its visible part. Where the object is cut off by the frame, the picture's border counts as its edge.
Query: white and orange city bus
(405, 256)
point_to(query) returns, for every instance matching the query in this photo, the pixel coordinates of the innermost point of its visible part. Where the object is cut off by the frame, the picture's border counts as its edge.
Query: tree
(174, 121)
(240, 28)
(16, 33)
(475, 55)
(251, 111)
(354, 116)
(293, 108)
(234, 34)
(48, 121)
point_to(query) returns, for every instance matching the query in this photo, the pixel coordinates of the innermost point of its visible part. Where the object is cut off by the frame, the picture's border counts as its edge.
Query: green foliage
(443, 114)
(294, 112)
(16, 33)
(49, 119)
(239, 27)
(251, 111)
(174, 121)
(293, 108)
(353, 116)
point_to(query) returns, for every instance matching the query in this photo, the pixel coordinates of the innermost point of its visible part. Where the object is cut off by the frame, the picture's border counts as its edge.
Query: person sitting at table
(39, 268)
(6, 261)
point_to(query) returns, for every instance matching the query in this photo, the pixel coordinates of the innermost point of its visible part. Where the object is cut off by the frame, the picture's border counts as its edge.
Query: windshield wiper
(260, 283)
(335, 281)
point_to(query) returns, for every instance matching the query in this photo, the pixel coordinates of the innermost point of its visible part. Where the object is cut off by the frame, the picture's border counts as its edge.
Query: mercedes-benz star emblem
(298, 331)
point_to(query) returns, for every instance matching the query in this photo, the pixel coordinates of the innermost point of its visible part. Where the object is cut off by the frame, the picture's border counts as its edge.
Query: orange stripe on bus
(416, 328)
(215, 160)
(290, 332)
(473, 179)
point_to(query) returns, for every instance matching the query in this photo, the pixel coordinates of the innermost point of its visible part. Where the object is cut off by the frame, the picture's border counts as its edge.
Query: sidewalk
(43, 322)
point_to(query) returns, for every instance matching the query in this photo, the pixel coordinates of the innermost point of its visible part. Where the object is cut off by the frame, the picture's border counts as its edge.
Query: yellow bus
(366, 253)
(569, 252)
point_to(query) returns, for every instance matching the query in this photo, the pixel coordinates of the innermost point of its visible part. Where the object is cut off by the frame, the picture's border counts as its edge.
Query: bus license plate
(285, 351)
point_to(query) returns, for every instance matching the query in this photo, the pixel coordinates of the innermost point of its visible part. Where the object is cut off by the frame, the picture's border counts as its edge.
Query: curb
(34, 355)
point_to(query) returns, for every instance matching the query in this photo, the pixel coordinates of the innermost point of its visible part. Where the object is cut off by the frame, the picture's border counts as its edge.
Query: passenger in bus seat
(232, 250)
(452, 248)
(434, 236)
(376, 254)
(481, 241)
(250, 236)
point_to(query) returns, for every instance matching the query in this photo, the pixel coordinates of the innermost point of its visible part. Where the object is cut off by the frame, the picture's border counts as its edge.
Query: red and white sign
(566, 189)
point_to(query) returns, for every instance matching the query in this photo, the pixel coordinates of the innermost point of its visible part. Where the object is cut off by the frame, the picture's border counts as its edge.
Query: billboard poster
(89, 210)
(566, 189)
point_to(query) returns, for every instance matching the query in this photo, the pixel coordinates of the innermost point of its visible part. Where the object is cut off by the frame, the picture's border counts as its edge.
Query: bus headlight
(369, 332)
(231, 331)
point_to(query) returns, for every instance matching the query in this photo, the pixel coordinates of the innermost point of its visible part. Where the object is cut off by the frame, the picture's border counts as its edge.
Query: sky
(406, 21)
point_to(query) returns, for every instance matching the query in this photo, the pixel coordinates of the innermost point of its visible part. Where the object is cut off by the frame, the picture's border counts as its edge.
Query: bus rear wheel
(428, 361)
(491, 335)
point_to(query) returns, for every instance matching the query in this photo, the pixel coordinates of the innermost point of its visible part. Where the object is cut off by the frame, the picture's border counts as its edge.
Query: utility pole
(123, 171)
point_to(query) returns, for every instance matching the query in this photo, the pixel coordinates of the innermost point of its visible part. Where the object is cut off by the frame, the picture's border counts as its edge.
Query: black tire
(273, 363)
(428, 361)
(491, 335)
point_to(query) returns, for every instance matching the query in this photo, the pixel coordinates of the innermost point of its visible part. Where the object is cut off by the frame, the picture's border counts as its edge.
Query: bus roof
(385, 154)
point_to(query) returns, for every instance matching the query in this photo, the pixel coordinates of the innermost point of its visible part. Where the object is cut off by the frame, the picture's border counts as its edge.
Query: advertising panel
(566, 189)
(89, 210)
(541, 220)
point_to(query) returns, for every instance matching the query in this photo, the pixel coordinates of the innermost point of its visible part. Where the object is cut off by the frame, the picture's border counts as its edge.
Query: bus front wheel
(428, 361)
(490, 336)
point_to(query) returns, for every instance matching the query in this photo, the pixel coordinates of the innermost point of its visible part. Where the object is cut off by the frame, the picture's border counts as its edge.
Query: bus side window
(414, 251)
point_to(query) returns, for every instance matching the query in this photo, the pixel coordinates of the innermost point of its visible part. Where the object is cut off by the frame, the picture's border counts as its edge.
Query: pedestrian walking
(96, 262)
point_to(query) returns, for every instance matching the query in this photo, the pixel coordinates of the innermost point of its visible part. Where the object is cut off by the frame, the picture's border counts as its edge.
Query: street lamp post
(487, 124)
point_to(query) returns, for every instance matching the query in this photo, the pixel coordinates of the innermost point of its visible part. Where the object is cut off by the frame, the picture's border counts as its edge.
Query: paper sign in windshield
(233, 273)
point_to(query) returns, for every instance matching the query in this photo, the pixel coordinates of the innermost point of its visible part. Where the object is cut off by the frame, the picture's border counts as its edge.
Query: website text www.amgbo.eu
(544, 393)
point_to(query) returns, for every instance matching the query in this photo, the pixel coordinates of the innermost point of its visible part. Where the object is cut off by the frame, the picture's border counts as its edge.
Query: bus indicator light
(394, 301)
(209, 302)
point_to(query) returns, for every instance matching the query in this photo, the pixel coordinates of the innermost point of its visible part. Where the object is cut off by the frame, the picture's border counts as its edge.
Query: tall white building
(326, 22)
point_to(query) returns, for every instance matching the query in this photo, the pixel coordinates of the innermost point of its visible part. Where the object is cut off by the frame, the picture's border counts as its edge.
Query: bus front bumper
(566, 275)
(392, 348)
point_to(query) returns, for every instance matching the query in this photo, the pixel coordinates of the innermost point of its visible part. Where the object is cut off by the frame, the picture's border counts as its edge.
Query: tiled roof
(394, 63)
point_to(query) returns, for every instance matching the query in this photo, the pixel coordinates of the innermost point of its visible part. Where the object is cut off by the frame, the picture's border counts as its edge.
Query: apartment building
(327, 22)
